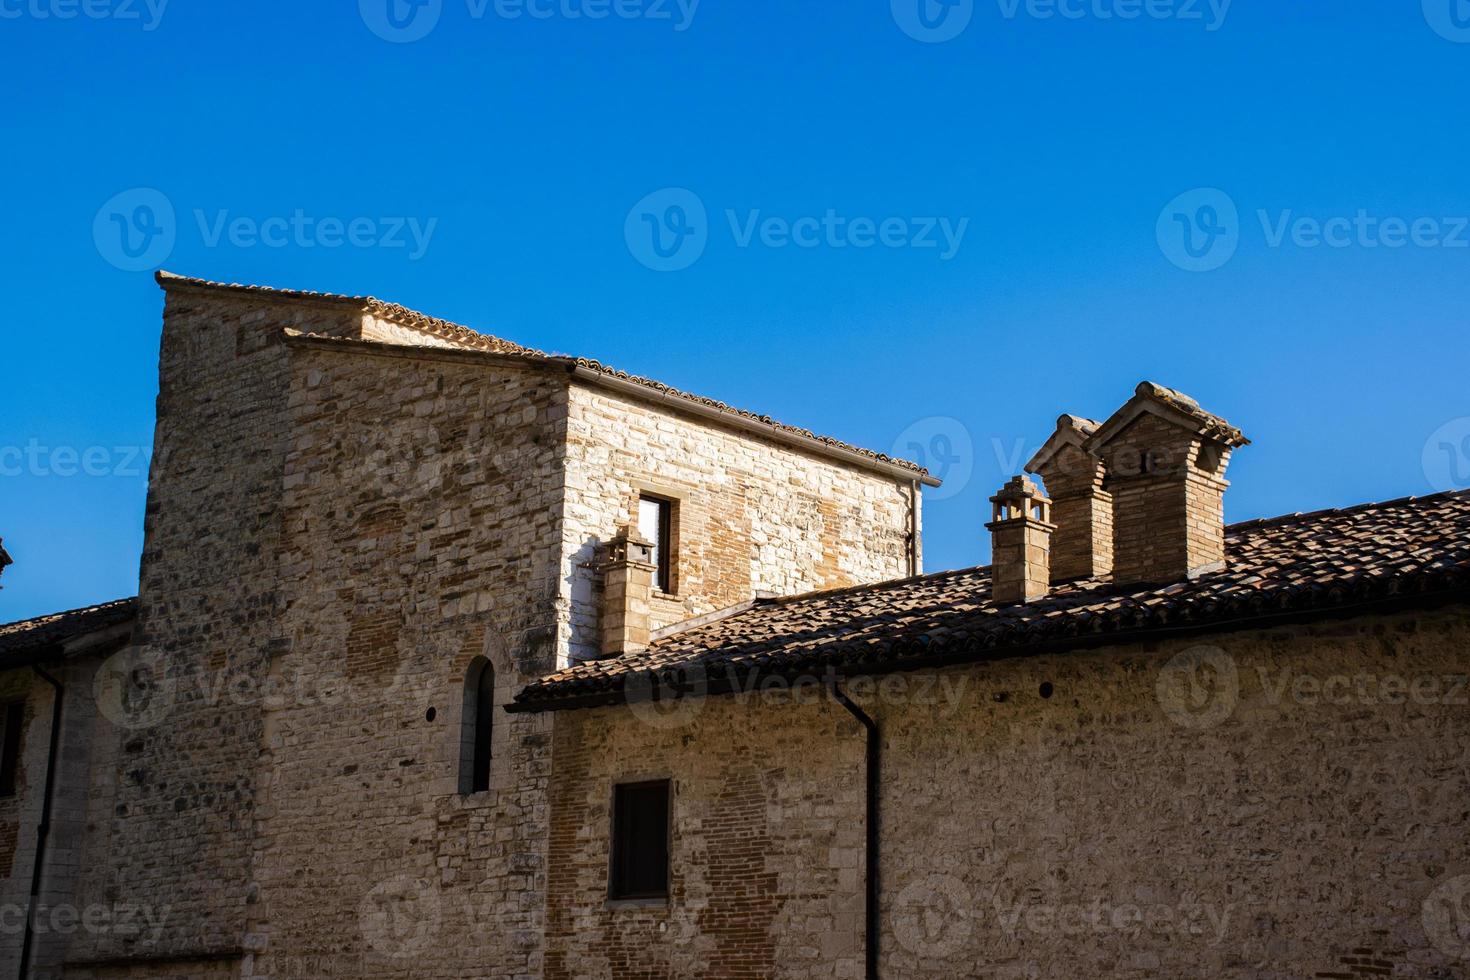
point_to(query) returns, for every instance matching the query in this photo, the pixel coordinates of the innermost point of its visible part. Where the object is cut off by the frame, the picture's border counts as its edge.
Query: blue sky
(1066, 146)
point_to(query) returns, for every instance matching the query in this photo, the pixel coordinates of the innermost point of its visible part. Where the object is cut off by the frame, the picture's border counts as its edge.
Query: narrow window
(10, 750)
(477, 729)
(640, 841)
(656, 522)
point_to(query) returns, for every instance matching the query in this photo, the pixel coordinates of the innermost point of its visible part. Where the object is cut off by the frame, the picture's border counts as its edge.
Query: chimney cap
(1072, 430)
(1172, 406)
(1021, 500)
(1019, 488)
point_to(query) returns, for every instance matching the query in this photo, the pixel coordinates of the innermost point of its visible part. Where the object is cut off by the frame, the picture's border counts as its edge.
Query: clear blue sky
(528, 141)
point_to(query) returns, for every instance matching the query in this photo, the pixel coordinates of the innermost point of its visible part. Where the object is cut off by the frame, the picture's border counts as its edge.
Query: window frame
(617, 891)
(12, 740)
(664, 543)
(477, 730)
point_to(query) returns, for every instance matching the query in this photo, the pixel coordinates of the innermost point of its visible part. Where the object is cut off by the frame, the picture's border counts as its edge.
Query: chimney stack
(627, 587)
(1165, 461)
(1021, 532)
(1082, 510)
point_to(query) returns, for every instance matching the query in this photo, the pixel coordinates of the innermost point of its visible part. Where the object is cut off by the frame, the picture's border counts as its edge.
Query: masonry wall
(1277, 804)
(420, 531)
(20, 813)
(752, 515)
(178, 835)
(766, 850)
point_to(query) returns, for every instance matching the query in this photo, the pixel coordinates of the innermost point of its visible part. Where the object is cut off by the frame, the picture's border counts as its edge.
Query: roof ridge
(891, 583)
(1304, 516)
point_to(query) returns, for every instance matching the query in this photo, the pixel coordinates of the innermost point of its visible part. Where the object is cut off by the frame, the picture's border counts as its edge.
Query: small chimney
(1083, 511)
(1166, 459)
(1020, 538)
(5, 558)
(627, 587)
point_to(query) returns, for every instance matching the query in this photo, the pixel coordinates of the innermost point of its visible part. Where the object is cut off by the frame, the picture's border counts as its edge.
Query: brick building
(452, 658)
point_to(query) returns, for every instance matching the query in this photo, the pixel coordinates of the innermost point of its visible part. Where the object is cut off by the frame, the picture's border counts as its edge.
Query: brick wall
(1198, 801)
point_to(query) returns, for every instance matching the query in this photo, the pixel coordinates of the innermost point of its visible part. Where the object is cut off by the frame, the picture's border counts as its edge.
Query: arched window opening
(477, 730)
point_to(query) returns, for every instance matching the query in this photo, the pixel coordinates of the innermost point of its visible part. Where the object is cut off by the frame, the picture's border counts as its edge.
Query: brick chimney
(1082, 547)
(1165, 461)
(627, 587)
(1020, 538)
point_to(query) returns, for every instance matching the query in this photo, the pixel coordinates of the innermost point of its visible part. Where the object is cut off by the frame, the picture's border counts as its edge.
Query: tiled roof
(45, 633)
(478, 341)
(1299, 566)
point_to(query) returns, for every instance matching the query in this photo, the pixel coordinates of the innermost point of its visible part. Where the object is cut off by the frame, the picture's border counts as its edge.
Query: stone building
(452, 658)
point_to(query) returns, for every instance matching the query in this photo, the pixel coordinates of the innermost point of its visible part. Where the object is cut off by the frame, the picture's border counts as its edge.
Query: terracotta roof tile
(1303, 564)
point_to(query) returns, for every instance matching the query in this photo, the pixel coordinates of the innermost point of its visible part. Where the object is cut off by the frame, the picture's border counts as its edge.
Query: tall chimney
(1020, 543)
(627, 587)
(1082, 547)
(1166, 459)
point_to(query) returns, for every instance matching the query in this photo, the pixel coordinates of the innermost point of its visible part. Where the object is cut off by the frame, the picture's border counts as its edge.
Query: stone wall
(20, 813)
(1281, 804)
(421, 528)
(752, 516)
(178, 835)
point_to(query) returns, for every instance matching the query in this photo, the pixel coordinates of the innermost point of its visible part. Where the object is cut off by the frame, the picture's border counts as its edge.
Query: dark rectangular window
(640, 841)
(10, 750)
(656, 522)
